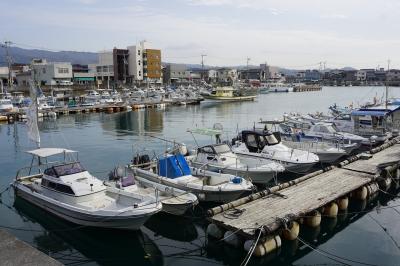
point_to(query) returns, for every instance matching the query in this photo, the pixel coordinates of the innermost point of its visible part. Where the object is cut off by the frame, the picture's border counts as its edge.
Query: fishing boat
(263, 144)
(174, 201)
(172, 170)
(227, 94)
(220, 158)
(67, 190)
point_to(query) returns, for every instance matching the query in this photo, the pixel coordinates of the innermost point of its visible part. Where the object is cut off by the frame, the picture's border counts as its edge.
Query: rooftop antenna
(6, 46)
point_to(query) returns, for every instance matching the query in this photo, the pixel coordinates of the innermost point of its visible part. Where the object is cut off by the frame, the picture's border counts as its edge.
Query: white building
(104, 69)
(227, 75)
(135, 60)
(361, 75)
(51, 73)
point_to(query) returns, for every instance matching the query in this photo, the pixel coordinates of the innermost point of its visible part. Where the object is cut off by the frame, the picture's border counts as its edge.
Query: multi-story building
(393, 75)
(227, 75)
(252, 73)
(51, 73)
(152, 65)
(176, 73)
(136, 63)
(104, 69)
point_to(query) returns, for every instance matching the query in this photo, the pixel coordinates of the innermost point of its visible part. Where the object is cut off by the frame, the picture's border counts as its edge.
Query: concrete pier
(16, 252)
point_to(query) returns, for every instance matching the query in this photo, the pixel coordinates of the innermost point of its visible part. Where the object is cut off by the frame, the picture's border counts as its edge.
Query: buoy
(313, 219)
(214, 231)
(3, 118)
(343, 203)
(384, 184)
(232, 239)
(361, 193)
(263, 247)
(292, 231)
(331, 210)
(372, 189)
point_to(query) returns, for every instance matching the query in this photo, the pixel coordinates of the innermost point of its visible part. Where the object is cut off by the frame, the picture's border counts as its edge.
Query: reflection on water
(105, 140)
(106, 247)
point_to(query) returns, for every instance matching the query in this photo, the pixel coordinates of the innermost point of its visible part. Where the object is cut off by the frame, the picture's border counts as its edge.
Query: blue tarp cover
(368, 112)
(173, 166)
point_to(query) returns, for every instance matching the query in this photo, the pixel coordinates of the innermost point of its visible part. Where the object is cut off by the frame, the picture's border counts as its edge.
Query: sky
(287, 33)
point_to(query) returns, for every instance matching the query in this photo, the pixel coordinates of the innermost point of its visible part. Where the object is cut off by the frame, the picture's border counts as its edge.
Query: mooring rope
(251, 250)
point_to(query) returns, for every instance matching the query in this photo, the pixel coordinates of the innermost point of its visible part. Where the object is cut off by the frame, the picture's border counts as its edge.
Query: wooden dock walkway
(273, 209)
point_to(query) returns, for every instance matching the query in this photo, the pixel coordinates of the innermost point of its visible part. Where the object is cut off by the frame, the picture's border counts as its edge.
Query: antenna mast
(6, 46)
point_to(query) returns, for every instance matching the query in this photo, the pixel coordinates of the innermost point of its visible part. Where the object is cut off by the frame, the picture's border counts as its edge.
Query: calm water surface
(368, 232)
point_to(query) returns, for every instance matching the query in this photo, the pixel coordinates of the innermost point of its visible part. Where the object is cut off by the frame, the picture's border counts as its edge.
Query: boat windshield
(65, 169)
(271, 139)
(222, 149)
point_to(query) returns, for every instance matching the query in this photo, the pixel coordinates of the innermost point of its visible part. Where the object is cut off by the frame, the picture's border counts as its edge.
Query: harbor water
(367, 234)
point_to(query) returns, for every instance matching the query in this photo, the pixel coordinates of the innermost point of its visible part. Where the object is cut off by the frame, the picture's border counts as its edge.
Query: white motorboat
(174, 201)
(264, 144)
(174, 171)
(6, 105)
(220, 158)
(323, 131)
(279, 87)
(327, 153)
(67, 190)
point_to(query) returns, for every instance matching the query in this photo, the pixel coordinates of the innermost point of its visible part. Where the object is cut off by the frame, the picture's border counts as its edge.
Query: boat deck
(300, 199)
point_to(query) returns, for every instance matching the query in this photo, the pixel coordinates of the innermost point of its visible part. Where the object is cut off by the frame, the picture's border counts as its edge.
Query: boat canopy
(369, 112)
(47, 152)
(173, 166)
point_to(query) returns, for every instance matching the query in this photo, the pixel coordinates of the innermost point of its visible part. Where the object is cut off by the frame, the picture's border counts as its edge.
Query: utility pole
(247, 67)
(387, 89)
(6, 46)
(202, 66)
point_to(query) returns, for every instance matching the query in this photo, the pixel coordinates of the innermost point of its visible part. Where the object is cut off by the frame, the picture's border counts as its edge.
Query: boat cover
(173, 166)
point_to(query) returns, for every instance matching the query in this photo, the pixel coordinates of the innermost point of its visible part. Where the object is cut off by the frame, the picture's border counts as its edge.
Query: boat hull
(80, 218)
(210, 98)
(292, 167)
(255, 176)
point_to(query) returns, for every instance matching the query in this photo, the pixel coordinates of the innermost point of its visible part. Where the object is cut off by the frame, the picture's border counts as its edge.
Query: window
(251, 141)
(222, 149)
(138, 52)
(140, 73)
(58, 187)
(63, 70)
(44, 70)
(98, 69)
(68, 169)
(206, 149)
(139, 62)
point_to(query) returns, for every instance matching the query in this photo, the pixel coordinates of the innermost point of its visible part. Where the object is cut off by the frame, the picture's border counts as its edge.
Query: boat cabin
(223, 92)
(65, 176)
(256, 140)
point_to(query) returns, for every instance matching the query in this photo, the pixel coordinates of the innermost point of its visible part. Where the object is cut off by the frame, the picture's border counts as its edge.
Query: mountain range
(25, 56)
